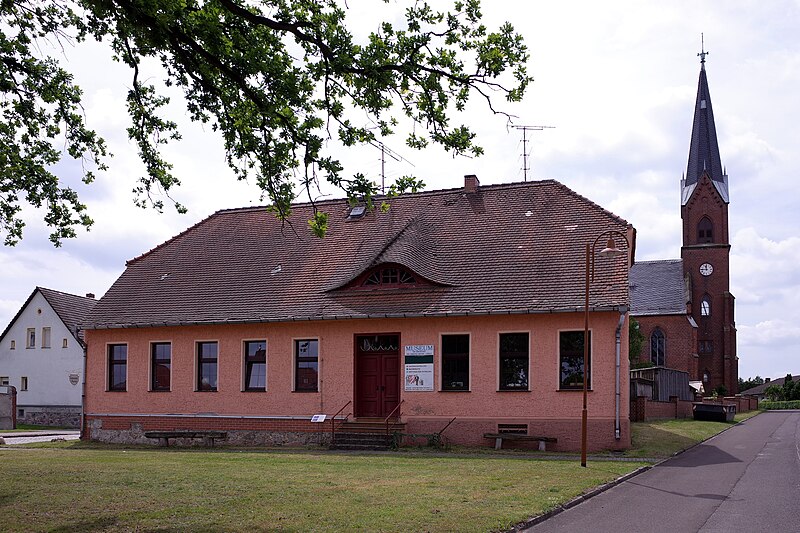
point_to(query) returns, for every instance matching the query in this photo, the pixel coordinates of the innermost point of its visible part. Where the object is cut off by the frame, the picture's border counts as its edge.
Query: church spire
(703, 149)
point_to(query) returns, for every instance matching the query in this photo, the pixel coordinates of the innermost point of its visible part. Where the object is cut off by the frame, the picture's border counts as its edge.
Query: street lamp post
(610, 250)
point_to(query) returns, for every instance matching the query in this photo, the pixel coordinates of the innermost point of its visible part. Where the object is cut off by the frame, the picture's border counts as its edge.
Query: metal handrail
(333, 421)
(392, 413)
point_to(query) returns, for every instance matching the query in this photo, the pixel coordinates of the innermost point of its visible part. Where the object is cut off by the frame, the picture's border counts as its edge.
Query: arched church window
(705, 231)
(705, 305)
(658, 347)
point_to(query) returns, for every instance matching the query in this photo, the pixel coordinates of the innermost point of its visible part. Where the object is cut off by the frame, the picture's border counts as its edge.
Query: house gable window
(31, 338)
(705, 231)
(513, 361)
(255, 365)
(45, 337)
(570, 346)
(306, 370)
(455, 362)
(117, 367)
(658, 347)
(23, 383)
(13, 345)
(207, 366)
(389, 277)
(64, 342)
(161, 361)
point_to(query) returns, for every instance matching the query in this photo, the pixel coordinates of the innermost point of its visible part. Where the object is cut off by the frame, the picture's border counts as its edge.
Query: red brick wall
(644, 409)
(681, 341)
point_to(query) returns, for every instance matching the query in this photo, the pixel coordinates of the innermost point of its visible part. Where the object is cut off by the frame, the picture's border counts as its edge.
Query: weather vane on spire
(702, 55)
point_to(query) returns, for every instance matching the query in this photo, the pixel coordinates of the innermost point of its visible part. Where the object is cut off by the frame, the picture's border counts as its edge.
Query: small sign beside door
(419, 367)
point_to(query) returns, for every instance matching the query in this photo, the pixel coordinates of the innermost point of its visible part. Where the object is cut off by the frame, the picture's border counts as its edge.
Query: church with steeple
(684, 307)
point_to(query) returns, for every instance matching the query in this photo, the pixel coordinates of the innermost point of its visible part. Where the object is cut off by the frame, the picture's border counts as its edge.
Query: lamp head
(611, 249)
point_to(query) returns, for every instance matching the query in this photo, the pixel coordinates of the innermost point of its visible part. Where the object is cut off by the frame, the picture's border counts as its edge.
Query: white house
(41, 354)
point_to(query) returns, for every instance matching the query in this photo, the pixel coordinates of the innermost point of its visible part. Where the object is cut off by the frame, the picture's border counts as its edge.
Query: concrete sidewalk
(42, 435)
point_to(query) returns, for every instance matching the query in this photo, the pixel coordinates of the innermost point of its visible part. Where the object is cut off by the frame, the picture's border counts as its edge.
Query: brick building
(464, 303)
(706, 313)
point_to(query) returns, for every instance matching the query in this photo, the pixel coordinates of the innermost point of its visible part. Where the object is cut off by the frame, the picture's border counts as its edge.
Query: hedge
(774, 406)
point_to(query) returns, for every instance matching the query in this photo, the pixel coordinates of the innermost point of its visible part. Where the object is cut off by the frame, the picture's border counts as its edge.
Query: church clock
(706, 269)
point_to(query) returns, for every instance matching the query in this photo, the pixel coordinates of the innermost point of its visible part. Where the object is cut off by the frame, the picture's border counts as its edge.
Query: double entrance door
(377, 375)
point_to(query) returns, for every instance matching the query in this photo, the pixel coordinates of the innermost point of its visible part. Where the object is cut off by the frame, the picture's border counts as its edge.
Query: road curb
(527, 524)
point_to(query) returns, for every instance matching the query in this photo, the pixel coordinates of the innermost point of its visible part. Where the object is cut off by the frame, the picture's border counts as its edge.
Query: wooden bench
(499, 437)
(207, 436)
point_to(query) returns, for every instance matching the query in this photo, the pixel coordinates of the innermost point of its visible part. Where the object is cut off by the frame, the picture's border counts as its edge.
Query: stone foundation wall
(241, 431)
(469, 432)
(68, 417)
(251, 431)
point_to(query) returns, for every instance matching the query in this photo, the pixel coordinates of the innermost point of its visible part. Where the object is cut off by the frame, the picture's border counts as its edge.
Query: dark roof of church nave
(514, 248)
(657, 288)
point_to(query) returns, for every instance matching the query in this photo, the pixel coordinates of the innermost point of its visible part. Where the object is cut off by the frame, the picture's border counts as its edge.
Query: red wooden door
(377, 375)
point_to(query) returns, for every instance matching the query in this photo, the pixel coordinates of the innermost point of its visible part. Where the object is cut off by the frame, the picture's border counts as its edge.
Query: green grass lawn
(662, 438)
(77, 486)
(68, 487)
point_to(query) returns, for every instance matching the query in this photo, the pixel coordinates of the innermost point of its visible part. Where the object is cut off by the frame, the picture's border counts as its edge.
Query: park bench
(208, 436)
(499, 437)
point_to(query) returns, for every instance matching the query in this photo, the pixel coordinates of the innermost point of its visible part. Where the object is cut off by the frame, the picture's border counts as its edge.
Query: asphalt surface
(745, 479)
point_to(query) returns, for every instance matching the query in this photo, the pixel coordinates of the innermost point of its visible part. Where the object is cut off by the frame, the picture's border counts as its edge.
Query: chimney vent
(90, 295)
(471, 183)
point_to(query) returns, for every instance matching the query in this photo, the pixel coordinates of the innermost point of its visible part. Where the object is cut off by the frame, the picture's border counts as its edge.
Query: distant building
(689, 324)
(41, 354)
(759, 391)
(462, 305)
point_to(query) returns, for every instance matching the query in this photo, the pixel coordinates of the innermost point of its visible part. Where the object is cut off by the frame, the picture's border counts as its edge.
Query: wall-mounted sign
(419, 367)
(318, 418)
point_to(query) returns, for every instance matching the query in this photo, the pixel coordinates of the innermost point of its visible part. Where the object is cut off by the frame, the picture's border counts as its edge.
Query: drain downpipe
(618, 393)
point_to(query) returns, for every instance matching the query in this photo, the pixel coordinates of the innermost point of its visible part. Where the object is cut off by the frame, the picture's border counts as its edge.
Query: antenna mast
(385, 150)
(525, 154)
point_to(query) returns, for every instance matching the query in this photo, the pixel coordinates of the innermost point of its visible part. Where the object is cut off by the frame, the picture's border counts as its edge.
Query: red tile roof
(516, 248)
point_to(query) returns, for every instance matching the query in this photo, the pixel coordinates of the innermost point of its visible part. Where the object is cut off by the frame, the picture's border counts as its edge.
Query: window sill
(513, 390)
(574, 390)
(160, 390)
(254, 390)
(206, 390)
(117, 390)
(306, 391)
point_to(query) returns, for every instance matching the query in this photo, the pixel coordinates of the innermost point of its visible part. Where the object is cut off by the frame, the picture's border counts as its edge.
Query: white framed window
(64, 343)
(13, 345)
(23, 383)
(4, 381)
(31, 338)
(45, 337)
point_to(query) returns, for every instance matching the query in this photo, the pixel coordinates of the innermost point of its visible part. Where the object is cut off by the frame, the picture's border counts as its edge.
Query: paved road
(745, 479)
(26, 437)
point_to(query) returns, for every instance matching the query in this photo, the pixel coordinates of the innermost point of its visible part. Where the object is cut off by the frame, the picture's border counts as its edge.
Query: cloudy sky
(617, 81)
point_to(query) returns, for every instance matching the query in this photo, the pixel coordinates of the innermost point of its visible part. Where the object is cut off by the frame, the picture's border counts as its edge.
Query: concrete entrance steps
(365, 434)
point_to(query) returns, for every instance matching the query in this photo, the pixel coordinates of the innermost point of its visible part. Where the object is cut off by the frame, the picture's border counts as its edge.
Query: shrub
(776, 406)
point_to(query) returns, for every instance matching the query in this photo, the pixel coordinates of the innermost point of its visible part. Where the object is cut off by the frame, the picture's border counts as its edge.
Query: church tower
(706, 248)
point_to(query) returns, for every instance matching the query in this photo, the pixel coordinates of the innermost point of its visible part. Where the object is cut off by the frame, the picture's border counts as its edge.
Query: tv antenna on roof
(385, 150)
(525, 154)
